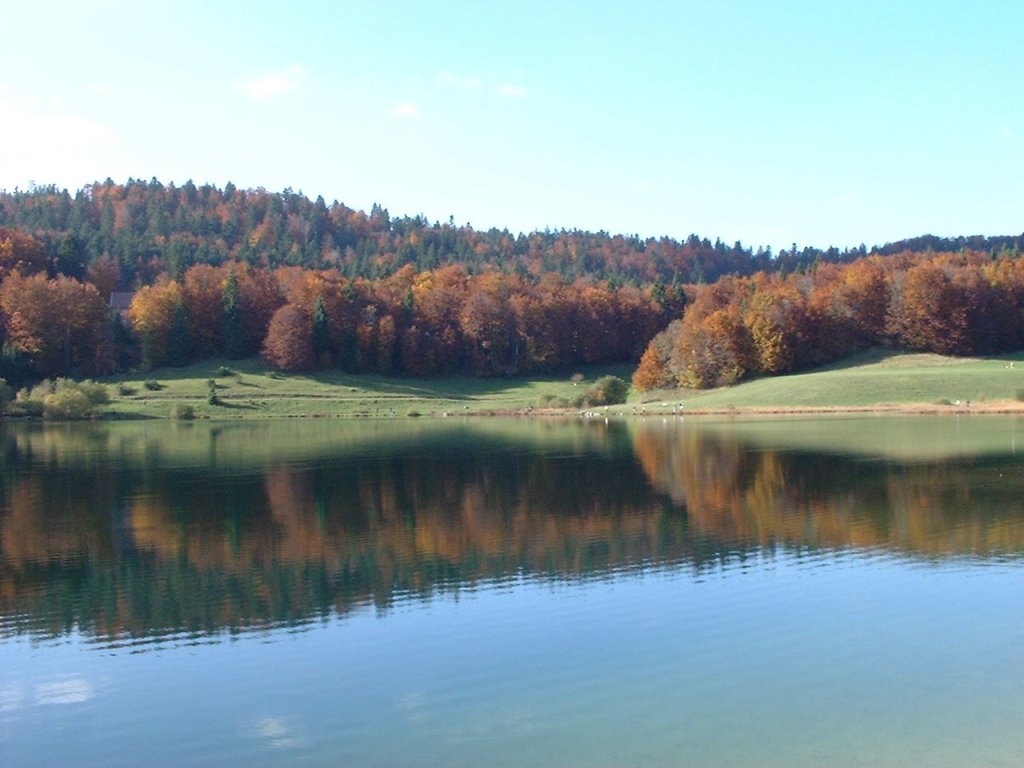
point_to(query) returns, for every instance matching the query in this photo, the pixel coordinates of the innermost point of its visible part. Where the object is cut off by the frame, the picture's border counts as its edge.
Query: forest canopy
(207, 272)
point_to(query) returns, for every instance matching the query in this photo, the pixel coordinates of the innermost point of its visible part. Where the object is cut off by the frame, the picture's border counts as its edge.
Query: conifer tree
(235, 342)
(179, 340)
(322, 346)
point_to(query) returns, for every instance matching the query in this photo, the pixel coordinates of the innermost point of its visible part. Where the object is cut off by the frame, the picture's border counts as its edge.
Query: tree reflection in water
(117, 533)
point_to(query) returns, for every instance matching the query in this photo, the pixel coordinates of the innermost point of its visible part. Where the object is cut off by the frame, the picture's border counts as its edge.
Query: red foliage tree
(289, 342)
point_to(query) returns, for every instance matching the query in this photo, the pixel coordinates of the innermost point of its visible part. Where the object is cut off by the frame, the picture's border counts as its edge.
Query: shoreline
(994, 407)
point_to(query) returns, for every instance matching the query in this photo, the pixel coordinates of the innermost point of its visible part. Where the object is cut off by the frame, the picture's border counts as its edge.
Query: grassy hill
(876, 379)
(873, 379)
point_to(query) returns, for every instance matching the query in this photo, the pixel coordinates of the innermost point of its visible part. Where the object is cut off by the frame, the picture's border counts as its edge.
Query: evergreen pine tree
(321, 333)
(179, 341)
(235, 342)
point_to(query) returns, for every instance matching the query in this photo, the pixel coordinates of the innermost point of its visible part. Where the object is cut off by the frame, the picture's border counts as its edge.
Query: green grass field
(251, 390)
(874, 378)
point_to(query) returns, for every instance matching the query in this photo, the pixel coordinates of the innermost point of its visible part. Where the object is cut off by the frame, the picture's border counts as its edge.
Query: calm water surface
(845, 591)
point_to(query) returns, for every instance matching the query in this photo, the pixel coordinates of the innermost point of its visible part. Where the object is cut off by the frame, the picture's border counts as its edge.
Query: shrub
(153, 385)
(67, 404)
(608, 390)
(29, 400)
(59, 399)
(23, 407)
(224, 371)
(96, 393)
(182, 412)
(124, 389)
(211, 397)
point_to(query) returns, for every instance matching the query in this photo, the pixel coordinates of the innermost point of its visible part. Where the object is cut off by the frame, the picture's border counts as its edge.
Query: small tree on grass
(608, 390)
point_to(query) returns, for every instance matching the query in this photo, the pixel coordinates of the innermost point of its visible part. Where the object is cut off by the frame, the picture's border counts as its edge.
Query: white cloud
(71, 691)
(459, 81)
(11, 698)
(5, 88)
(511, 91)
(276, 732)
(274, 84)
(53, 146)
(406, 109)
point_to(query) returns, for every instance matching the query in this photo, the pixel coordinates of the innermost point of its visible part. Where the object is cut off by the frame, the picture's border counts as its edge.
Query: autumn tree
(654, 371)
(20, 252)
(151, 314)
(715, 351)
(776, 317)
(927, 312)
(487, 326)
(202, 295)
(289, 342)
(59, 325)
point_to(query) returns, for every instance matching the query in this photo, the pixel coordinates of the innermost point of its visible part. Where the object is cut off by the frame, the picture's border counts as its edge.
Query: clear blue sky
(820, 123)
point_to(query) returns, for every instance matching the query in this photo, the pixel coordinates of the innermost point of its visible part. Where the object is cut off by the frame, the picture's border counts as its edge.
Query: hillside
(148, 227)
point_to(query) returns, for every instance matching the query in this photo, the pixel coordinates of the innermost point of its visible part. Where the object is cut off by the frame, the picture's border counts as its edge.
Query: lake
(844, 591)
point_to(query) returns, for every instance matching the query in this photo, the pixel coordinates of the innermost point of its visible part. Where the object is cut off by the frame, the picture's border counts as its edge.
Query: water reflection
(154, 533)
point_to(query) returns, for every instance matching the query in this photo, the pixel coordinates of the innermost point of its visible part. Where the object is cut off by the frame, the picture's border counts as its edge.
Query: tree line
(141, 229)
(411, 322)
(953, 303)
(309, 285)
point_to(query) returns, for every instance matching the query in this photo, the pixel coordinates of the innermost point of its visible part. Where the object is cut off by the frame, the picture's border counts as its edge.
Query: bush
(608, 390)
(224, 372)
(29, 400)
(68, 404)
(60, 399)
(153, 385)
(211, 397)
(182, 412)
(125, 390)
(96, 393)
(24, 407)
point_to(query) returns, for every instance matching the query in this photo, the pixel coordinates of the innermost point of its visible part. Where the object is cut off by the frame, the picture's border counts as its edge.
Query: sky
(818, 123)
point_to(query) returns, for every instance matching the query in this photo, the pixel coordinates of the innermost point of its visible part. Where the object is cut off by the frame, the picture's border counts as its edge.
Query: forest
(207, 272)
(951, 303)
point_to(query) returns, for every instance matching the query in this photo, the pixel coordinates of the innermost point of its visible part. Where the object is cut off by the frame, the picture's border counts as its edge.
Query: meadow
(875, 380)
(249, 389)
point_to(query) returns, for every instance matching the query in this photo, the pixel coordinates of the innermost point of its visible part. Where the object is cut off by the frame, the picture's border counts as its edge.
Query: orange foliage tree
(151, 315)
(61, 325)
(289, 342)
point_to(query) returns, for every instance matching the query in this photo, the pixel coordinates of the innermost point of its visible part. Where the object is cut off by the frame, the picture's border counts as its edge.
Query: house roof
(121, 300)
